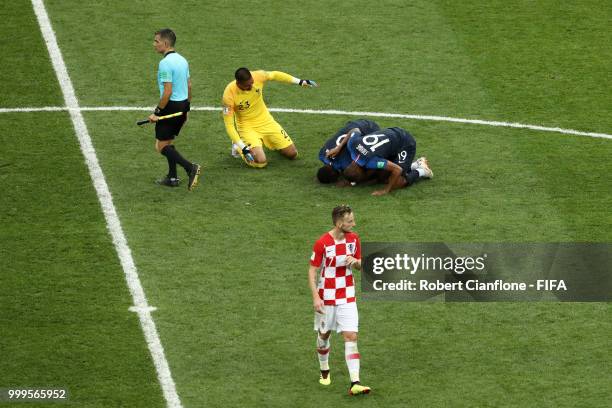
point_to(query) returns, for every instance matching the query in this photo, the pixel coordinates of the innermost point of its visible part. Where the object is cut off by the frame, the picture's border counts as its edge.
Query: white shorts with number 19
(340, 318)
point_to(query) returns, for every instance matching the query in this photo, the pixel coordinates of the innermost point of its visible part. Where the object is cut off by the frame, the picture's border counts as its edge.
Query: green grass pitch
(226, 265)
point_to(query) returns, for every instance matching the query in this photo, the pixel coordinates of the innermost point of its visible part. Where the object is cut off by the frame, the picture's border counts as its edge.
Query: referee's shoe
(194, 175)
(169, 181)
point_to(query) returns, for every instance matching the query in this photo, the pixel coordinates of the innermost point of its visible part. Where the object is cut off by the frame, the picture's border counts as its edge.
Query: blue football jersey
(343, 159)
(372, 151)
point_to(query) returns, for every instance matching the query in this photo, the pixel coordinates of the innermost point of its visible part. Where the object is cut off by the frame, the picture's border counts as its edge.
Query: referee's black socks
(171, 162)
(175, 157)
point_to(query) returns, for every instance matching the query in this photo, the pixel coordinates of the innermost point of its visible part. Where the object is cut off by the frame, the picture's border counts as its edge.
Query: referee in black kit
(175, 97)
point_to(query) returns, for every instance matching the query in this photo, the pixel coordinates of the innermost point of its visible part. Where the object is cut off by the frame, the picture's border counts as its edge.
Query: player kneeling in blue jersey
(334, 157)
(387, 151)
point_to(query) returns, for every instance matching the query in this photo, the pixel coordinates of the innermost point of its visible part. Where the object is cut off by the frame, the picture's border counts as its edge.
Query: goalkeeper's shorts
(272, 135)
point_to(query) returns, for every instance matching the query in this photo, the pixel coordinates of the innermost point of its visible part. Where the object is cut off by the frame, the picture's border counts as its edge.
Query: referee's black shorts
(168, 129)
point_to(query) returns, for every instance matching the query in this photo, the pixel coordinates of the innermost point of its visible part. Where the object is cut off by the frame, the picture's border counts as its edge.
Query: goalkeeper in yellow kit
(247, 120)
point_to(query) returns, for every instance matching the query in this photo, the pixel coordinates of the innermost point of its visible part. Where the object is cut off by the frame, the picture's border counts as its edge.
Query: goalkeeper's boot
(424, 165)
(194, 175)
(358, 389)
(169, 181)
(325, 379)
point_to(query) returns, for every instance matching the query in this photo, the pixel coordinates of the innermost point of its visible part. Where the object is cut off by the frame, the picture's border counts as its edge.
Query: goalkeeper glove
(246, 152)
(308, 83)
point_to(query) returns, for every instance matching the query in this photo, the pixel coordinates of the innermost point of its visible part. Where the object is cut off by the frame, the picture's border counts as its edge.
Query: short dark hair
(340, 211)
(326, 174)
(168, 35)
(242, 74)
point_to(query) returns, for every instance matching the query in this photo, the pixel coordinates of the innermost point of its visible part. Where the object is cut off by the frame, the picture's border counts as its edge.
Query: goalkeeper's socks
(171, 152)
(351, 354)
(323, 353)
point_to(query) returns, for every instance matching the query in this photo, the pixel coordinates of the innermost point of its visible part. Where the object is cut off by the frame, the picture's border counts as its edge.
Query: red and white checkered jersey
(336, 285)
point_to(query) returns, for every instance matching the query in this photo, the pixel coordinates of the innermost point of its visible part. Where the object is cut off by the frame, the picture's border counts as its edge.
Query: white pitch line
(334, 112)
(110, 214)
(35, 109)
(448, 119)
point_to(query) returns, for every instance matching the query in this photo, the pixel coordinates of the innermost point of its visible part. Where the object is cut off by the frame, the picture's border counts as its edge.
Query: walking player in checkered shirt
(335, 254)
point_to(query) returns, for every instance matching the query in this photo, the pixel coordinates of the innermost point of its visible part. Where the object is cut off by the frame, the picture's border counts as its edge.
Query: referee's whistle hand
(153, 118)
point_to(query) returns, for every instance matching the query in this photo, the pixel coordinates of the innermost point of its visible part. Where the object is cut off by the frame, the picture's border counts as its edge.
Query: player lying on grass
(247, 120)
(336, 160)
(330, 276)
(391, 150)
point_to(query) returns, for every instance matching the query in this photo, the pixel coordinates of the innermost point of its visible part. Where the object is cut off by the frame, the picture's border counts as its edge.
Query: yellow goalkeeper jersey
(247, 109)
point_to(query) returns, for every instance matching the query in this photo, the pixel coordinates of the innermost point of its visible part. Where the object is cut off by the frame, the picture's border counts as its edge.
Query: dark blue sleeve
(374, 162)
(351, 148)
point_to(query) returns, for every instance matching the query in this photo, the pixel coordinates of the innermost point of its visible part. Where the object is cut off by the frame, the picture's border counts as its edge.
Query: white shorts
(340, 318)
